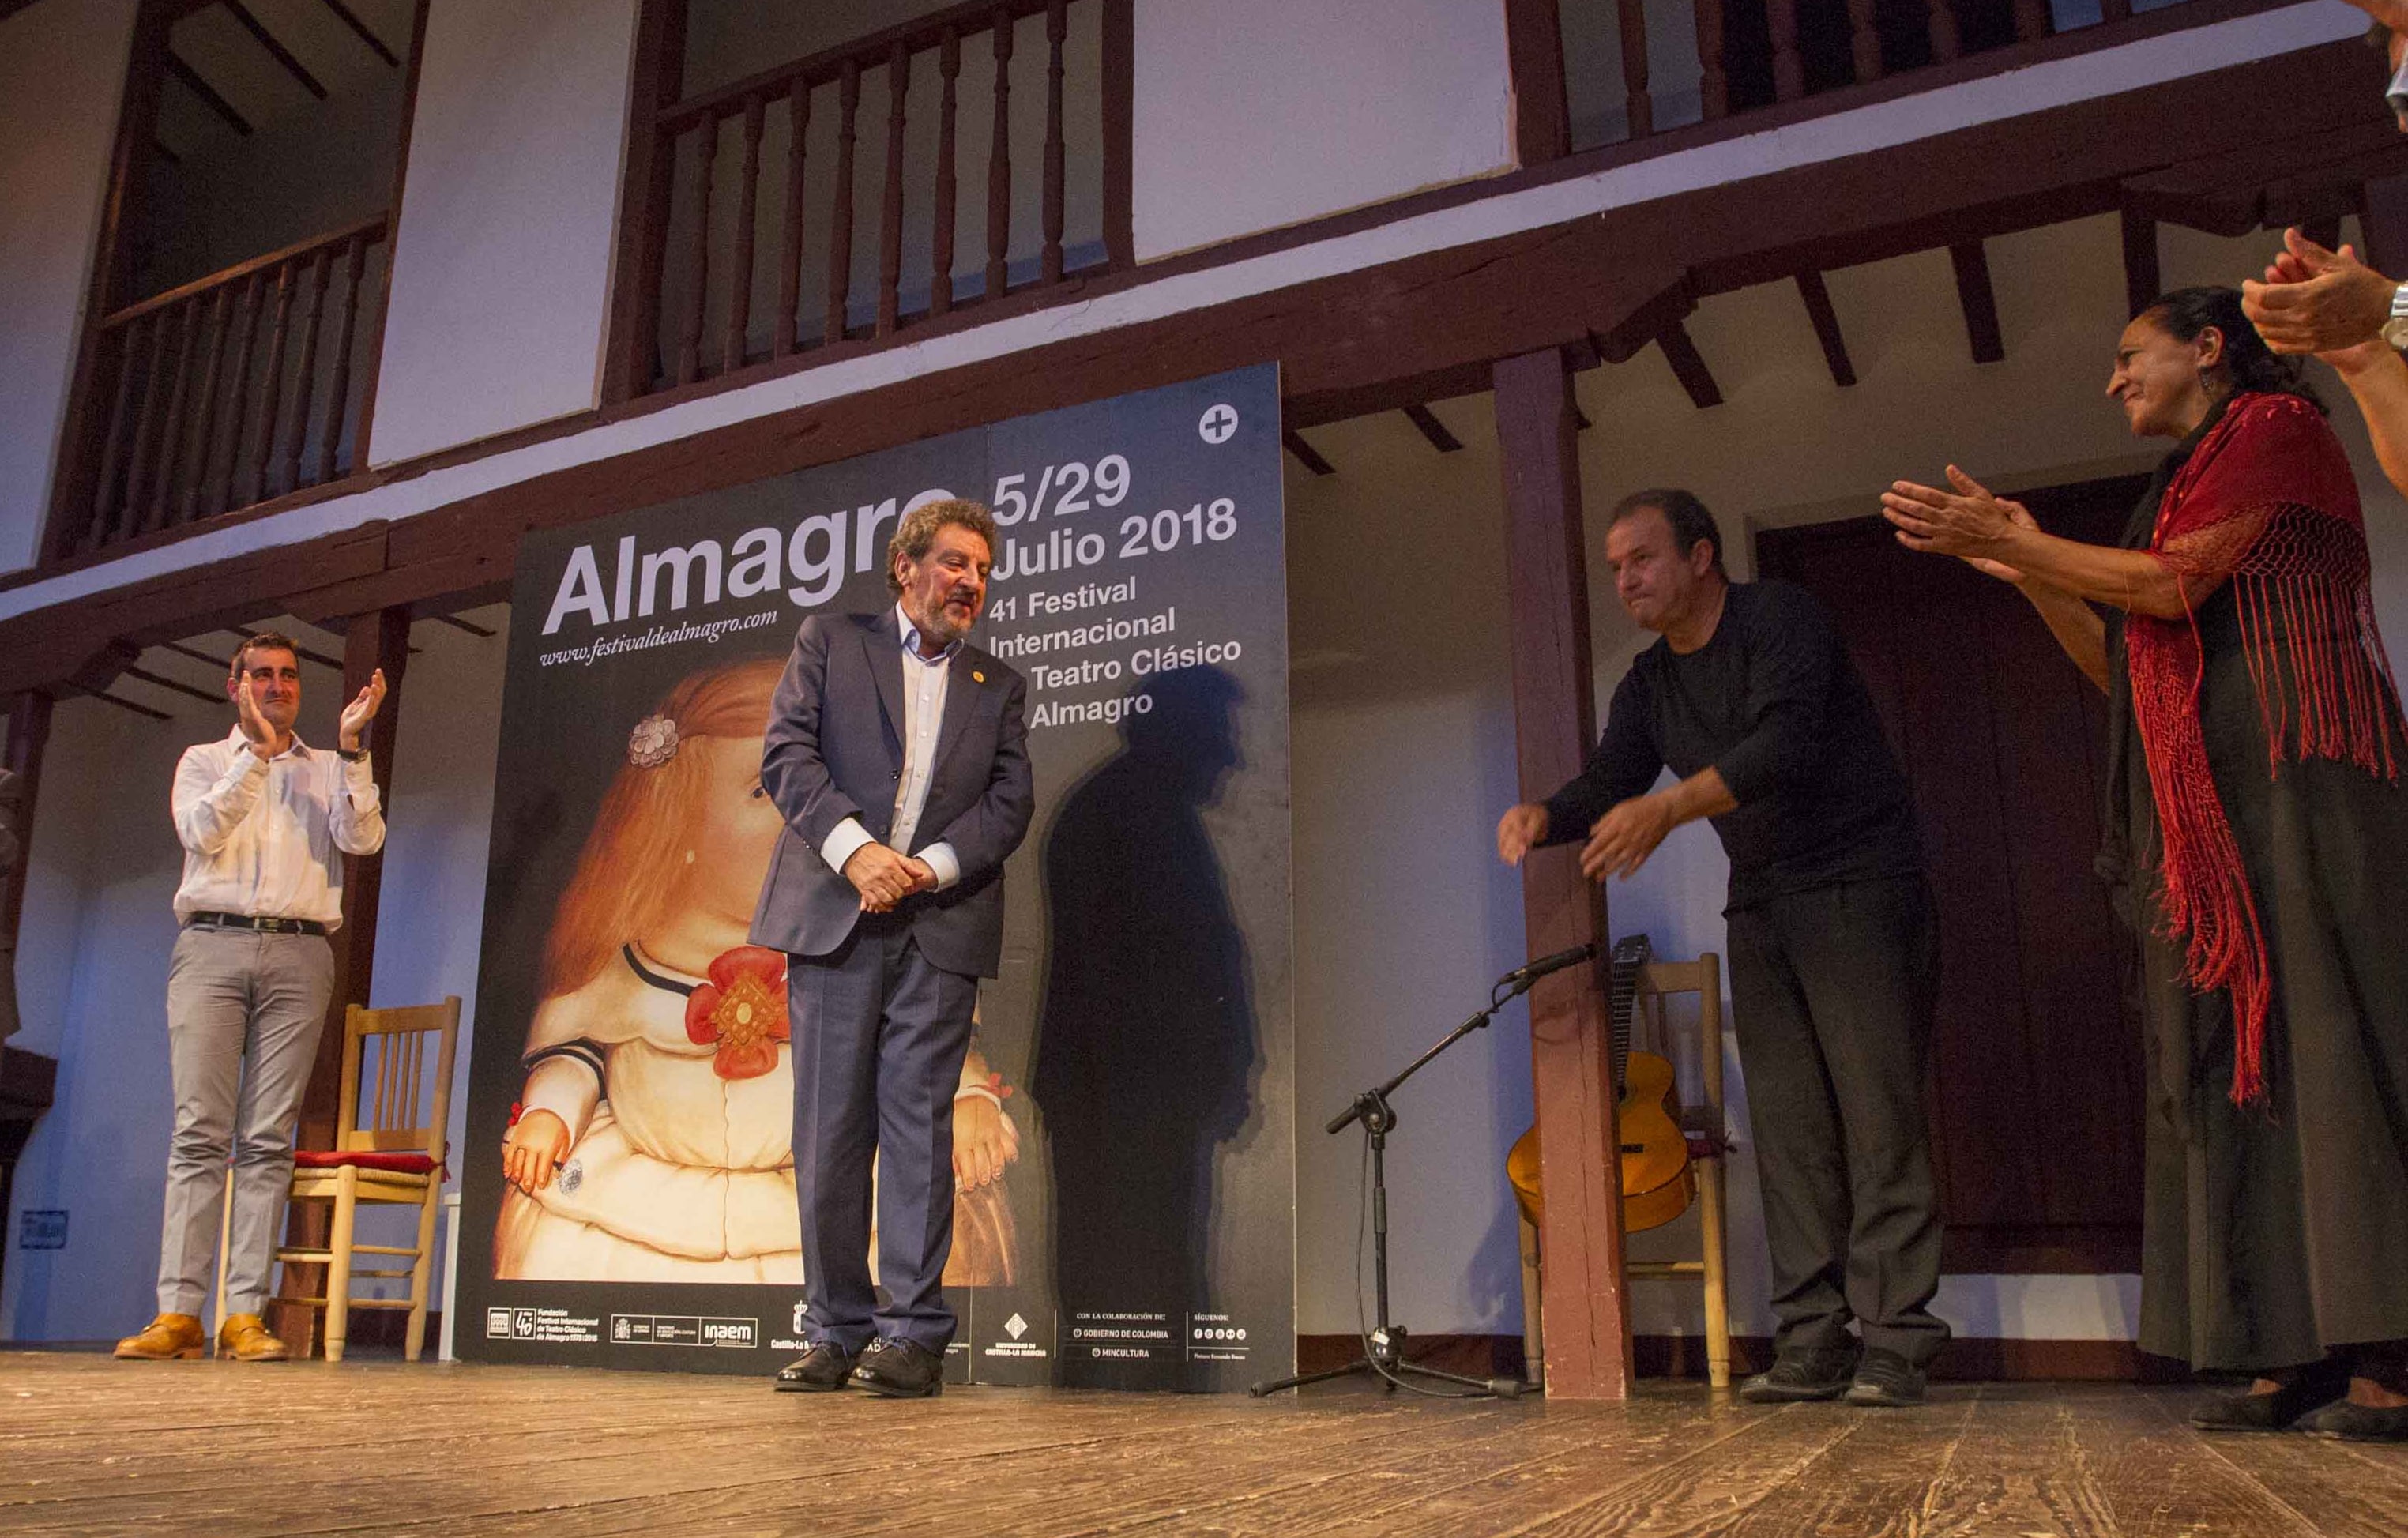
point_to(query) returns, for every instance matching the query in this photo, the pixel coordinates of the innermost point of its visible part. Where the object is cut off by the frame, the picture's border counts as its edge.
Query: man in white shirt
(897, 754)
(265, 820)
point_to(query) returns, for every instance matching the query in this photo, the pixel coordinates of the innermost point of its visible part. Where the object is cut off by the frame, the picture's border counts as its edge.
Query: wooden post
(2384, 222)
(379, 639)
(1534, 48)
(1120, 130)
(1554, 724)
(628, 367)
(29, 734)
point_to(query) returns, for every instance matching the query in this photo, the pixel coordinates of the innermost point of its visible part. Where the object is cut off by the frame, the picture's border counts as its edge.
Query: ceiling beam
(456, 622)
(165, 683)
(1689, 366)
(121, 704)
(1980, 301)
(351, 21)
(183, 650)
(1432, 429)
(2143, 277)
(276, 51)
(209, 97)
(159, 147)
(1305, 454)
(1826, 320)
(321, 658)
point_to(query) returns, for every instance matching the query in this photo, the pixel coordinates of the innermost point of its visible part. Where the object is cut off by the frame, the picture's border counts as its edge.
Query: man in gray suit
(897, 754)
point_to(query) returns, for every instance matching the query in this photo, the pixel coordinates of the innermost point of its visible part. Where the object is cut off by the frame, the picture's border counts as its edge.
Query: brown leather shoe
(164, 1339)
(246, 1338)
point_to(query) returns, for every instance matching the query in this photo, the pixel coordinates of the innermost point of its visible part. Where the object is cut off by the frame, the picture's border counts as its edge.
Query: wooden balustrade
(205, 415)
(1757, 53)
(702, 268)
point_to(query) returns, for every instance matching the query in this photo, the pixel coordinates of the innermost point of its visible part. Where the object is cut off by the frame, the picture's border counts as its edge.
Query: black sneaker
(901, 1369)
(1885, 1380)
(821, 1370)
(1800, 1376)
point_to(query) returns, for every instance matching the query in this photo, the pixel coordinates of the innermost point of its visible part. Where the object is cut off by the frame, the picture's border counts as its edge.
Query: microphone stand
(1387, 1340)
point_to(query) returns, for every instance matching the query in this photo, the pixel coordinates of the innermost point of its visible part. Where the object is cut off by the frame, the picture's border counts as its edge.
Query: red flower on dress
(742, 1009)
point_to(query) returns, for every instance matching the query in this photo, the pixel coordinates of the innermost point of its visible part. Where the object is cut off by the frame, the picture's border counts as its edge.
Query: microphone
(1556, 963)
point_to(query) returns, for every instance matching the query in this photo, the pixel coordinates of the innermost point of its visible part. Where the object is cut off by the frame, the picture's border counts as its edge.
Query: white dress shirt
(265, 838)
(924, 717)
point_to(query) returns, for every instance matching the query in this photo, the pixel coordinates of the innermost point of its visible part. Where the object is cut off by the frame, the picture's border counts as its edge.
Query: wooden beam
(361, 30)
(225, 665)
(1305, 454)
(1118, 125)
(321, 658)
(209, 97)
(2383, 221)
(456, 622)
(1689, 366)
(108, 699)
(1980, 303)
(1826, 321)
(1534, 51)
(29, 738)
(1421, 416)
(1554, 723)
(276, 49)
(2143, 277)
(159, 147)
(2325, 230)
(163, 682)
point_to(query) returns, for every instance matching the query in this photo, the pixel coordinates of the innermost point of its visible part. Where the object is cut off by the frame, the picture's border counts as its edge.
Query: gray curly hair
(917, 530)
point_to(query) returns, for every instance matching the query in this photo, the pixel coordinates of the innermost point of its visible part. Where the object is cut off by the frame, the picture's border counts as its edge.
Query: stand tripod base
(1388, 1362)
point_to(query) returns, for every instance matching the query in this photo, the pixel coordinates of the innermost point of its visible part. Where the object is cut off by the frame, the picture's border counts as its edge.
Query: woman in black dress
(2257, 835)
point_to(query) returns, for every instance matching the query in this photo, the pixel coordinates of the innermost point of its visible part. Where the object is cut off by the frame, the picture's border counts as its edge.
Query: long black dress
(2275, 1231)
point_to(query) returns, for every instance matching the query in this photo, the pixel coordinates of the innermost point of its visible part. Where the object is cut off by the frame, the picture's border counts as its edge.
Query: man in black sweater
(1748, 696)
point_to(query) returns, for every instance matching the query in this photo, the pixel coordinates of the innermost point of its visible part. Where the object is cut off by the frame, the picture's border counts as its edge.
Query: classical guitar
(1657, 1181)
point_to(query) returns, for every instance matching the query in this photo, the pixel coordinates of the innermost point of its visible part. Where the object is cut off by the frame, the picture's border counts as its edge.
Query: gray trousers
(879, 1038)
(1832, 995)
(244, 1010)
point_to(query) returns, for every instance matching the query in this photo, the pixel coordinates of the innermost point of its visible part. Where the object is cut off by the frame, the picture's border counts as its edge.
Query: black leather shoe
(1885, 1380)
(901, 1369)
(2309, 1390)
(821, 1370)
(2352, 1422)
(1803, 1375)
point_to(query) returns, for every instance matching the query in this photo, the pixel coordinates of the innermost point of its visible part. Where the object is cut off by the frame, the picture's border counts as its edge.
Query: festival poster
(1125, 1123)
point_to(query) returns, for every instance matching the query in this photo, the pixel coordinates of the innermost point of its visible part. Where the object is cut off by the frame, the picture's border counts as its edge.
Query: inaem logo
(1015, 1326)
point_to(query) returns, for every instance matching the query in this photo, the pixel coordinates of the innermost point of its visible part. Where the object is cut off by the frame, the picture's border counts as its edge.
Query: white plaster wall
(62, 74)
(93, 956)
(501, 266)
(1255, 114)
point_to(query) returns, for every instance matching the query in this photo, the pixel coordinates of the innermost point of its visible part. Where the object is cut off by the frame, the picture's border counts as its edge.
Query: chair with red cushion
(389, 1148)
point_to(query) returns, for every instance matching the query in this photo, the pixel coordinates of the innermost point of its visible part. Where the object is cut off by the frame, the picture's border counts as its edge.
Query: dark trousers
(878, 1039)
(1832, 993)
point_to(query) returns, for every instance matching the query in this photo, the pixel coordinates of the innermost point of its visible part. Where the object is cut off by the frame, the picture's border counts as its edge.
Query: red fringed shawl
(2267, 503)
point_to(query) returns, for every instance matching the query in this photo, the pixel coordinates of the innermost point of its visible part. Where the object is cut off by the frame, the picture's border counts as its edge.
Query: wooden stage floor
(92, 1445)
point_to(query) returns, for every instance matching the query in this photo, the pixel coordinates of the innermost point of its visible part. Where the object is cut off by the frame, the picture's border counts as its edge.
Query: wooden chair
(1708, 1145)
(389, 1148)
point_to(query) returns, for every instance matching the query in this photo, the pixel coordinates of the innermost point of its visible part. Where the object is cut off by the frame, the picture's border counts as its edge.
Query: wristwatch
(2395, 330)
(349, 756)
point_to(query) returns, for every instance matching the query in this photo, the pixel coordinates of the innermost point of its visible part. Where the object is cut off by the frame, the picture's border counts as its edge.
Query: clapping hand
(358, 714)
(1969, 523)
(2314, 300)
(255, 729)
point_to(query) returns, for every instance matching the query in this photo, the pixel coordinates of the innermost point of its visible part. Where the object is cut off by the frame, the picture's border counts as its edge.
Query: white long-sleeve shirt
(266, 837)
(923, 715)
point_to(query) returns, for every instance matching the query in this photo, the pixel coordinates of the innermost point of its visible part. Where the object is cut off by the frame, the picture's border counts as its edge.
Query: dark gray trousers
(1833, 994)
(879, 1038)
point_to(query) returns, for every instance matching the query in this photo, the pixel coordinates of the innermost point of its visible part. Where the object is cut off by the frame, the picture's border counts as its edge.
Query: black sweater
(1774, 703)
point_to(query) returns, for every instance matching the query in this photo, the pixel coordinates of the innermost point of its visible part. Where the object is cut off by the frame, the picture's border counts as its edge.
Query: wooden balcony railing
(1753, 54)
(757, 241)
(239, 387)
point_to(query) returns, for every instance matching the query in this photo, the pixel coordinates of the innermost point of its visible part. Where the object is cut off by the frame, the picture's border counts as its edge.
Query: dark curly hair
(2249, 362)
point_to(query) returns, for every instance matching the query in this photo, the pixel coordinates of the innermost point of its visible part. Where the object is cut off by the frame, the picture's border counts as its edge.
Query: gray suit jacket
(835, 750)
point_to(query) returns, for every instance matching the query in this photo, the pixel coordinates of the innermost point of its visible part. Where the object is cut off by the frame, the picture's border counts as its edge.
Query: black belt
(263, 925)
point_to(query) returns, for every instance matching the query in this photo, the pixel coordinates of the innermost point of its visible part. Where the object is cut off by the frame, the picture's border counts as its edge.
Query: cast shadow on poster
(653, 1136)
(1146, 1051)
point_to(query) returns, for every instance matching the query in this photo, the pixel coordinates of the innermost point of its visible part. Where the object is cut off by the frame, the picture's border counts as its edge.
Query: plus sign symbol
(1219, 421)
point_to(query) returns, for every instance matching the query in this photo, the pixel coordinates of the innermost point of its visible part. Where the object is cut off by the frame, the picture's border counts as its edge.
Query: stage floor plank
(92, 1445)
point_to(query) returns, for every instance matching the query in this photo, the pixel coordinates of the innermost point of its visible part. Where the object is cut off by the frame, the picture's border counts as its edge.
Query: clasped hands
(884, 878)
(1618, 843)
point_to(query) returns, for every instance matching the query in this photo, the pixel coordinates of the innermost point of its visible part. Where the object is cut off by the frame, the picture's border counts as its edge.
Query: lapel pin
(977, 677)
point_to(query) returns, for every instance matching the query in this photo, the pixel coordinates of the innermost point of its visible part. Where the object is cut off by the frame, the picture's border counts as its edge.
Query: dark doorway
(2036, 1089)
